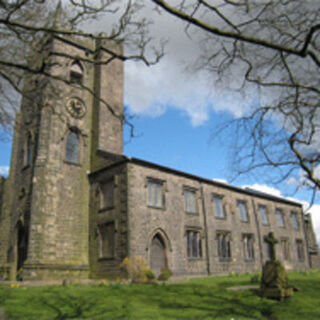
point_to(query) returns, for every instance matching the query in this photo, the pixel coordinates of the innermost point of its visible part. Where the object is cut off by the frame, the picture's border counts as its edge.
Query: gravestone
(274, 280)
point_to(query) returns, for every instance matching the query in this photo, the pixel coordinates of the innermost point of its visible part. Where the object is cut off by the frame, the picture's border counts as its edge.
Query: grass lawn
(201, 298)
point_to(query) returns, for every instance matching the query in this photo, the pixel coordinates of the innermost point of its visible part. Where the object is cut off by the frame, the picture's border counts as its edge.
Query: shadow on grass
(200, 301)
(67, 306)
(157, 301)
(58, 304)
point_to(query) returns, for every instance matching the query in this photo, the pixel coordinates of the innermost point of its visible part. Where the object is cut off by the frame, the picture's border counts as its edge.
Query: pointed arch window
(28, 150)
(76, 73)
(72, 147)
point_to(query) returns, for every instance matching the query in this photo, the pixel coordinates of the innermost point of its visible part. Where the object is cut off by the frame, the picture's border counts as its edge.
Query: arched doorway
(21, 245)
(158, 256)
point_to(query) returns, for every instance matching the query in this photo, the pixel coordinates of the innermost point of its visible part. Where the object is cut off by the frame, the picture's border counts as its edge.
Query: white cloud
(151, 90)
(4, 171)
(301, 181)
(221, 181)
(264, 188)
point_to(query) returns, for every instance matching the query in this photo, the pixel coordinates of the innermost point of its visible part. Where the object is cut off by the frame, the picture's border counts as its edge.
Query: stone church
(74, 206)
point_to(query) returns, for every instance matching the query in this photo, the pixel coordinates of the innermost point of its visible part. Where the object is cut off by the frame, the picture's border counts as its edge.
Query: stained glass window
(224, 245)
(72, 148)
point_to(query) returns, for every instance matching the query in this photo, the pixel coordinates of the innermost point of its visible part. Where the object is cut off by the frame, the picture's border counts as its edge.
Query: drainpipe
(205, 228)
(258, 230)
(304, 227)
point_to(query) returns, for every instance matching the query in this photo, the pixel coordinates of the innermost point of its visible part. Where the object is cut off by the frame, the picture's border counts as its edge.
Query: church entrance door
(21, 249)
(158, 257)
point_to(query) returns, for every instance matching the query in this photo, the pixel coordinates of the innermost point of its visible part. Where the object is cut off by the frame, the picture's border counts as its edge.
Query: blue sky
(170, 139)
(176, 110)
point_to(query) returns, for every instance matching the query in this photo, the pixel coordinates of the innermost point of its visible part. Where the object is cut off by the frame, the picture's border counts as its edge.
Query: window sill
(265, 225)
(157, 208)
(243, 221)
(106, 209)
(195, 259)
(225, 259)
(106, 258)
(249, 260)
(220, 218)
(76, 164)
(192, 213)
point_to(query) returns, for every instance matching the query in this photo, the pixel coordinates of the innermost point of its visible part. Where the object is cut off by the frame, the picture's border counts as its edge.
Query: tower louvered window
(76, 73)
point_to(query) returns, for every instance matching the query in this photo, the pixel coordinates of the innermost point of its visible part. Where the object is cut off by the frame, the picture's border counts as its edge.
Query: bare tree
(269, 49)
(24, 23)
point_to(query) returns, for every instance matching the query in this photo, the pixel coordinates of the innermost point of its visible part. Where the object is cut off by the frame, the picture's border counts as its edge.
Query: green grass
(203, 298)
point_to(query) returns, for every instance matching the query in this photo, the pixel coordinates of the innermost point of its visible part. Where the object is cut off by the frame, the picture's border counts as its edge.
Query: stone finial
(57, 18)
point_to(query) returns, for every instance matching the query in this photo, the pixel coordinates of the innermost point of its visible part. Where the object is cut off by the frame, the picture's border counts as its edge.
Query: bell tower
(67, 119)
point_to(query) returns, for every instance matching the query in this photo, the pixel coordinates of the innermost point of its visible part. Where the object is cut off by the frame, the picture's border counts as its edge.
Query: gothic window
(294, 219)
(280, 219)
(242, 209)
(72, 147)
(224, 245)
(155, 194)
(248, 248)
(106, 240)
(263, 215)
(28, 150)
(194, 244)
(76, 73)
(300, 251)
(285, 247)
(190, 201)
(107, 194)
(218, 207)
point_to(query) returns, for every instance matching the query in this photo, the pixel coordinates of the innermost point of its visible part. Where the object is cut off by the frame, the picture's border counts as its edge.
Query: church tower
(66, 120)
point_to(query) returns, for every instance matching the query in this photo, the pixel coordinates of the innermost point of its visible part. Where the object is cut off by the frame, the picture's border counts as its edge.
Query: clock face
(76, 108)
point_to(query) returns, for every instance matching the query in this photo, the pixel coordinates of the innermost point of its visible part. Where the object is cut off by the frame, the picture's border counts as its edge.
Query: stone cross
(272, 242)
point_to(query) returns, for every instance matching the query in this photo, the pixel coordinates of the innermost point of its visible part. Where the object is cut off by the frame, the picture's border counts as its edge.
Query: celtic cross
(272, 241)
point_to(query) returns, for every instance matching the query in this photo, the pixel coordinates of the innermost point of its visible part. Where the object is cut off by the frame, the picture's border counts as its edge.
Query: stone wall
(107, 110)
(100, 266)
(173, 221)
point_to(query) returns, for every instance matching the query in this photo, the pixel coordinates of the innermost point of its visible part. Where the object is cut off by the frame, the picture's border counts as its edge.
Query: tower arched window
(72, 147)
(76, 73)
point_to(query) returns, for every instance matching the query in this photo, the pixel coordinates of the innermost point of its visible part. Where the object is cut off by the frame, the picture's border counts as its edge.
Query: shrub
(135, 268)
(255, 278)
(165, 274)
(150, 275)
